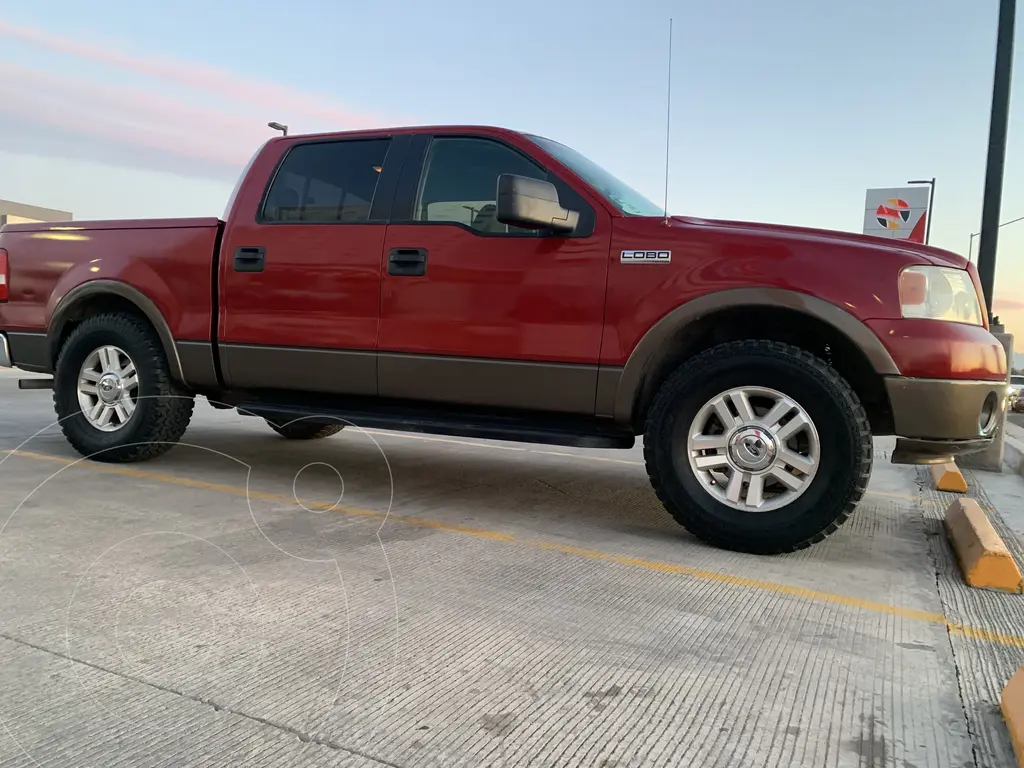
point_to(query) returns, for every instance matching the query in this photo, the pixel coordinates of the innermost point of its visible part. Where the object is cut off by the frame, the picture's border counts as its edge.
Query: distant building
(20, 213)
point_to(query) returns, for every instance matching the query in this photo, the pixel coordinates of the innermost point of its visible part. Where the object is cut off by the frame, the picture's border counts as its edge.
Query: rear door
(477, 312)
(299, 281)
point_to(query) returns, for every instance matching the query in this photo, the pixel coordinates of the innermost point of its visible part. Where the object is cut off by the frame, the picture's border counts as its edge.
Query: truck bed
(170, 260)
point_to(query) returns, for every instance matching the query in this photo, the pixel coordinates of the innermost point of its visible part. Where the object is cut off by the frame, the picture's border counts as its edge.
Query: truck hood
(826, 237)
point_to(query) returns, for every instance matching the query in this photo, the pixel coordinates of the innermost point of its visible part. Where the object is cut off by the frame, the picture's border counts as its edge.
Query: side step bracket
(35, 383)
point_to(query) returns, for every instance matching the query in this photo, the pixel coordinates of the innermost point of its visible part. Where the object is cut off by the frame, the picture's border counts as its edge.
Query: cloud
(222, 83)
(1007, 305)
(107, 115)
(29, 136)
(128, 115)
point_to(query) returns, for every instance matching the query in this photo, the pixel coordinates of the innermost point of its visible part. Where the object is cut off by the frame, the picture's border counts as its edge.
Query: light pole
(931, 206)
(279, 127)
(997, 128)
(970, 246)
(992, 457)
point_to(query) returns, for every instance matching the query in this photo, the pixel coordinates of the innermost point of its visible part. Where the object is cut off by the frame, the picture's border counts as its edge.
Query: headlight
(939, 293)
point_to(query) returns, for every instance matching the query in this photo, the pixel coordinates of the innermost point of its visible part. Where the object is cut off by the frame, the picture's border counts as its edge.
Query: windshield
(626, 199)
(1017, 380)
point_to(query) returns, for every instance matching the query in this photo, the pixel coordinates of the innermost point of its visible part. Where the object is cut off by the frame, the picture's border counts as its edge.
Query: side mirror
(532, 204)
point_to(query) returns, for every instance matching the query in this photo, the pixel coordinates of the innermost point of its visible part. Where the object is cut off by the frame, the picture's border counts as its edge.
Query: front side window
(460, 183)
(327, 182)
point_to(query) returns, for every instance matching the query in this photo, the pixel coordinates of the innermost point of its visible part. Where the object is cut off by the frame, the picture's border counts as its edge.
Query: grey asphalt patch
(150, 624)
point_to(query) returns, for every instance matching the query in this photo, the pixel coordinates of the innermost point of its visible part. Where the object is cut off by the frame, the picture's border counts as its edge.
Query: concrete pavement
(467, 604)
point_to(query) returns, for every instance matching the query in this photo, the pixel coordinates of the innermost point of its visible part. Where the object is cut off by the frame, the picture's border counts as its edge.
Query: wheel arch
(99, 296)
(774, 314)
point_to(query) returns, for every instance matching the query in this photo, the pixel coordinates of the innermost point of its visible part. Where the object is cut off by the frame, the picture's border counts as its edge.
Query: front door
(477, 312)
(300, 280)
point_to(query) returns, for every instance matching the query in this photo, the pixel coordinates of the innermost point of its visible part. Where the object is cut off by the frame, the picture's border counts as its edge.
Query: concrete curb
(1012, 704)
(1013, 445)
(984, 559)
(948, 477)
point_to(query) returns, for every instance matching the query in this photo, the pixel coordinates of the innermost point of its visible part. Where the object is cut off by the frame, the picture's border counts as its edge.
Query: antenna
(668, 117)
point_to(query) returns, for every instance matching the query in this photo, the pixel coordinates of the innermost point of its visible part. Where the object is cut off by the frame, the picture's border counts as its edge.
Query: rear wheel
(305, 430)
(114, 394)
(758, 446)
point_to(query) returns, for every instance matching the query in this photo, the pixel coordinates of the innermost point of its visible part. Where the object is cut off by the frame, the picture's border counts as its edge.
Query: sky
(782, 112)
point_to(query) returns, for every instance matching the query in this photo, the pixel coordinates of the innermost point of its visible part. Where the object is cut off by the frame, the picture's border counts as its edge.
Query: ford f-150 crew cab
(482, 282)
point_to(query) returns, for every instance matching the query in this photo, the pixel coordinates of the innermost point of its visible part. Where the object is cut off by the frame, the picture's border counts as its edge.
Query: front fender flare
(617, 398)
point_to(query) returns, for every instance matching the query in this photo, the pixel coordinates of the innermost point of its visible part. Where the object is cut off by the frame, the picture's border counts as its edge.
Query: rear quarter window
(330, 182)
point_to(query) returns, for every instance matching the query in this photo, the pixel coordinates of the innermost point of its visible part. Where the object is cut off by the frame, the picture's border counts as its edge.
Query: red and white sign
(898, 212)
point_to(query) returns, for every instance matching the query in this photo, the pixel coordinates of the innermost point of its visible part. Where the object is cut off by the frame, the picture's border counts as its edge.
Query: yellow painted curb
(983, 556)
(1012, 702)
(947, 477)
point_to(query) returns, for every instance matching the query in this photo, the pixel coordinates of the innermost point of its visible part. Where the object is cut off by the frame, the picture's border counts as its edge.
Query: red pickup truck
(482, 282)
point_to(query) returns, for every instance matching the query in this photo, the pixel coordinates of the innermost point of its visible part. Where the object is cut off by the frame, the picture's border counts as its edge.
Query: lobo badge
(646, 257)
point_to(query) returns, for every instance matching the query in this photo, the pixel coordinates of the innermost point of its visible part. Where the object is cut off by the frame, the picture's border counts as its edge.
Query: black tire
(163, 409)
(305, 430)
(844, 435)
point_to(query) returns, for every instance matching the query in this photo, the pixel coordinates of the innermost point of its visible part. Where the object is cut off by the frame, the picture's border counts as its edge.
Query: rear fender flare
(631, 379)
(65, 310)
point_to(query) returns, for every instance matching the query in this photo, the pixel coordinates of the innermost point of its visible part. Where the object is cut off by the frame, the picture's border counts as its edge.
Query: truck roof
(492, 129)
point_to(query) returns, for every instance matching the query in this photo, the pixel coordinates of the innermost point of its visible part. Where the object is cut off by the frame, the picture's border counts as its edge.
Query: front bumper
(939, 419)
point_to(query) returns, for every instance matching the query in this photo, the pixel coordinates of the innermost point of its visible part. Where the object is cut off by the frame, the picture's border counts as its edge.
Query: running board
(540, 430)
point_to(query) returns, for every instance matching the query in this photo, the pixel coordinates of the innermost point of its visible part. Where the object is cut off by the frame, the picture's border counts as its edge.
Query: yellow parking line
(976, 633)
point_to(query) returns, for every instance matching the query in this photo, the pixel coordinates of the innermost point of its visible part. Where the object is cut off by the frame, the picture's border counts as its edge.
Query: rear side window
(326, 182)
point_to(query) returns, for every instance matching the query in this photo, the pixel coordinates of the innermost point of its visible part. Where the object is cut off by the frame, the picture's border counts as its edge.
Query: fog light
(987, 417)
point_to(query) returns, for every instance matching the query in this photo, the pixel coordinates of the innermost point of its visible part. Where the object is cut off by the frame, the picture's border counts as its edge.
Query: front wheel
(758, 446)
